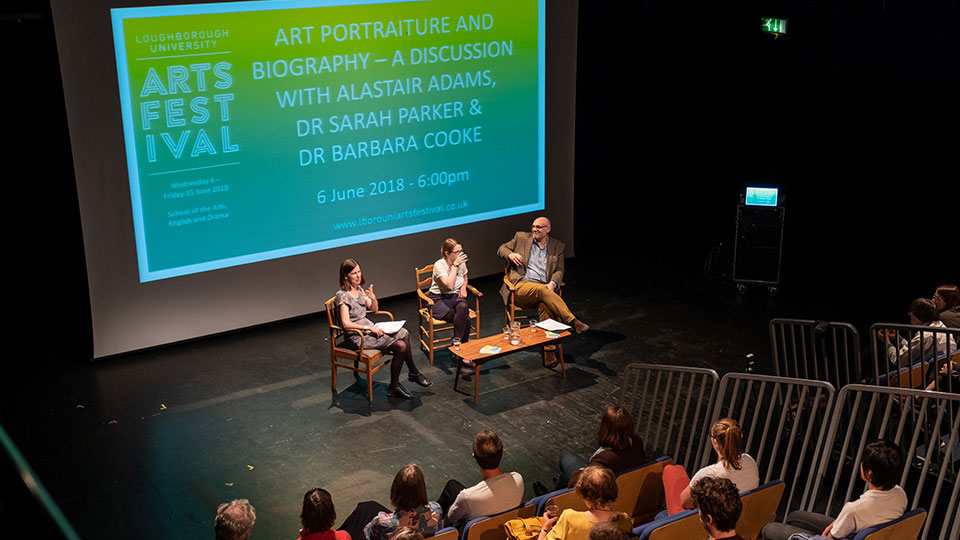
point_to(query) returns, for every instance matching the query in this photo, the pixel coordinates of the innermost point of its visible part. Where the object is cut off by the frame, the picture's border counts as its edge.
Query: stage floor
(146, 446)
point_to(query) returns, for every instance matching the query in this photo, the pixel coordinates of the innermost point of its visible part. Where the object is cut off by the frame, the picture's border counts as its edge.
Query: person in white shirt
(496, 492)
(924, 345)
(741, 469)
(883, 500)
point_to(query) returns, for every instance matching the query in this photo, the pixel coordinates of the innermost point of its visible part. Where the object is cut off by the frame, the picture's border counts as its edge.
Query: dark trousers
(360, 517)
(569, 464)
(447, 498)
(797, 521)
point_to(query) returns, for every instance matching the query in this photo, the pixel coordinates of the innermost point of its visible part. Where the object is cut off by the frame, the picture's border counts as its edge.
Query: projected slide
(257, 130)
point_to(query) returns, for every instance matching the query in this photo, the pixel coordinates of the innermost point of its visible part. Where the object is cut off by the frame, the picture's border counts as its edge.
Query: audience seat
(641, 490)
(449, 533)
(913, 376)
(640, 493)
(491, 527)
(906, 527)
(759, 507)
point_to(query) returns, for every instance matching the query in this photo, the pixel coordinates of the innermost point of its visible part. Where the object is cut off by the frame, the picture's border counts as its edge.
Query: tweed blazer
(521, 243)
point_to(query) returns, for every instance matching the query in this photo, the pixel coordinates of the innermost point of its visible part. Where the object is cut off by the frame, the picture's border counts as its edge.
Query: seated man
(883, 501)
(497, 491)
(536, 268)
(719, 505)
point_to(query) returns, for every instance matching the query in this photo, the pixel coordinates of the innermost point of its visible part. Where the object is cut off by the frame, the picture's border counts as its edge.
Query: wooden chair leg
(333, 375)
(369, 382)
(563, 367)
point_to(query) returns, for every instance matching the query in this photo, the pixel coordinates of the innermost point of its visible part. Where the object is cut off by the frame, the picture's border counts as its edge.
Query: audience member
(597, 486)
(408, 495)
(607, 531)
(883, 501)
(407, 533)
(496, 492)
(449, 289)
(947, 300)
(353, 301)
(719, 505)
(620, 448)
(234, 520)
(727, 440)
(923, 345)
(318, 515)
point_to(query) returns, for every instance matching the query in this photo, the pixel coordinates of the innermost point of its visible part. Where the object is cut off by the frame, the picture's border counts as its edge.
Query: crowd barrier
(784, 421)
(924, 423)
(817, 350)
(671, 407)
(917, 354)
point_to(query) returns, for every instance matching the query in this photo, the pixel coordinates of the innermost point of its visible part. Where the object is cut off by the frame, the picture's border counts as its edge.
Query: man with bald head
(536, 268)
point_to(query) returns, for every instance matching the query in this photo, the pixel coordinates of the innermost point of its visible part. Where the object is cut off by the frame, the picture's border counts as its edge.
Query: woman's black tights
(401, 355)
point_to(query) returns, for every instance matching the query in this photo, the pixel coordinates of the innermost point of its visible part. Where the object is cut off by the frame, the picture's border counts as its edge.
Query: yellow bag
(523, 528)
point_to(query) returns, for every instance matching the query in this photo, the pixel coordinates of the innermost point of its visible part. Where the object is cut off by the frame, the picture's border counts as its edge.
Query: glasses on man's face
(538, 227)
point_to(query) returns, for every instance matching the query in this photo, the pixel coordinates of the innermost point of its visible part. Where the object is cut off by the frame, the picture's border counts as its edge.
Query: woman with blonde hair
(732, 463)
(597, 486)
(449, 289)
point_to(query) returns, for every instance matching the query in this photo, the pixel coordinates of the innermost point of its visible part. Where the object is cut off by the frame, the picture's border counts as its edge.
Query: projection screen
(229, 155)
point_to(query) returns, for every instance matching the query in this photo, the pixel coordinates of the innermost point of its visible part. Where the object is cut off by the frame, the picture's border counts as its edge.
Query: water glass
(533, 326)
(506, 333)
(515, 335)
(456, 344)
(553, 510)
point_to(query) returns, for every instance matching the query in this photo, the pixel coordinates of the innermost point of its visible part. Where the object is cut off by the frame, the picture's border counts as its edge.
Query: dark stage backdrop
(129, 313)
(853, 113)
(678, 106)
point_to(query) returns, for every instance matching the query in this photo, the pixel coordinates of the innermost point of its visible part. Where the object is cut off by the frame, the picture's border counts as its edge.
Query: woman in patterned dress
(353, 302)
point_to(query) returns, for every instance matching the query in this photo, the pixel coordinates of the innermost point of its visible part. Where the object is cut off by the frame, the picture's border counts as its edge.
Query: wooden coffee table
(528, 339)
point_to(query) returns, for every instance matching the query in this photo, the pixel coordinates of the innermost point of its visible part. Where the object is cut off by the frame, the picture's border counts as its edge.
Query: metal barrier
(655, 395)
(911, 356)
(817, 350)
(46, 508)
(923, 423)
(784, 423)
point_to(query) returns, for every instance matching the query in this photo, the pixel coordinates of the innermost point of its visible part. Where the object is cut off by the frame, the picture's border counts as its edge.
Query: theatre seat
(491, 527)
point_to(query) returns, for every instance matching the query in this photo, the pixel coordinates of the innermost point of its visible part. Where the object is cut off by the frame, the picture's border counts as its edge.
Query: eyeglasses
(538, 227)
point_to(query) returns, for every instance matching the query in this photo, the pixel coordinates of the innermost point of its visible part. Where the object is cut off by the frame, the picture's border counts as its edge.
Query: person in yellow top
(597, 486)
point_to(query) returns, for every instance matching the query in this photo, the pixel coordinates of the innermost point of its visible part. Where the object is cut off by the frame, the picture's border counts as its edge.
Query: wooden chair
(510, 307)
(373, 359)
(491, 527)
(430, 327)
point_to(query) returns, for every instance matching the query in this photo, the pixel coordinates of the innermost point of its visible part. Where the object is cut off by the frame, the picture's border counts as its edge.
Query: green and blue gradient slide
(258, 130)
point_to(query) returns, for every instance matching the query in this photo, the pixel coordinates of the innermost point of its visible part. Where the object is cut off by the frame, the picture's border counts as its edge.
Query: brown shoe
(579, 326)
(550, 359)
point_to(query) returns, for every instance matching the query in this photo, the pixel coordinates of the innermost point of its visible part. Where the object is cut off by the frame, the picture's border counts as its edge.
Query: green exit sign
(774, 25)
